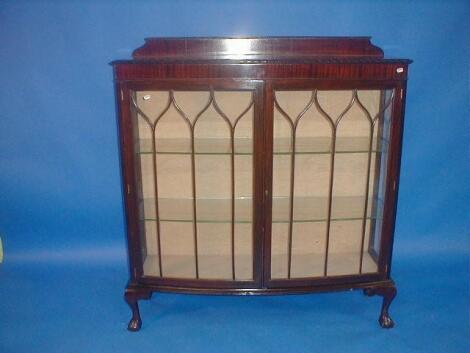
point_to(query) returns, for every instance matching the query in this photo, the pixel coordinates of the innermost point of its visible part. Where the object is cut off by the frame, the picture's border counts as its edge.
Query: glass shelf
(322, 145)
(244, 146)
(201, 146)
(306, 209)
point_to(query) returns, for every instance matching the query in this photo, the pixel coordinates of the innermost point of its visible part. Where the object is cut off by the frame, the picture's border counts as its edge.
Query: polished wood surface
(360, 71)
(257, 48)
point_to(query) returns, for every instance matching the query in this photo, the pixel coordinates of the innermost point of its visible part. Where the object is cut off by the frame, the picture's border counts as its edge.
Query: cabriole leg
(388, 293)
(132, 296)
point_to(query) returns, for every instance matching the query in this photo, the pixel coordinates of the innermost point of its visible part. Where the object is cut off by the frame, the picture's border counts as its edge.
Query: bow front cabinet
(260, 165)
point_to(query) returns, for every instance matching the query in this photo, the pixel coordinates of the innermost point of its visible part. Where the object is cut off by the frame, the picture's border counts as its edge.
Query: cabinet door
(330, 153)
(194, 150)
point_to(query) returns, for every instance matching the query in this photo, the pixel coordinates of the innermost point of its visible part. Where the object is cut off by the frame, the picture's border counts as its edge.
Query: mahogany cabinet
(260, 165)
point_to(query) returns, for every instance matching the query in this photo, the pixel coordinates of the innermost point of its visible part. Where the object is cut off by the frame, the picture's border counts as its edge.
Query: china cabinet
(260, 165)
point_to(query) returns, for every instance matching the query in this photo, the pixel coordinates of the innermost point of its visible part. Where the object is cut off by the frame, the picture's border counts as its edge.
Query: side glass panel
(194, 153)
(330, 155)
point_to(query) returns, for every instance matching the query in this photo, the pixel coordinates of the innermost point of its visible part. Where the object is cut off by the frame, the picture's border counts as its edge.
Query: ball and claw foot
(132, 296)
(388, 293)
(386, 321)
(135, 324)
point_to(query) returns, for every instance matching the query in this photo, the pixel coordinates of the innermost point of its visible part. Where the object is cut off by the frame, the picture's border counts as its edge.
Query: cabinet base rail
(386, 289)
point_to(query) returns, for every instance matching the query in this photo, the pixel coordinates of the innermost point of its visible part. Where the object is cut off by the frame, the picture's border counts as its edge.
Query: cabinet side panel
(129, 187)
(392, 180)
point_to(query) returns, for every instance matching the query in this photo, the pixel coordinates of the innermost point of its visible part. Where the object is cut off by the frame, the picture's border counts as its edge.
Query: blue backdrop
(61, 220)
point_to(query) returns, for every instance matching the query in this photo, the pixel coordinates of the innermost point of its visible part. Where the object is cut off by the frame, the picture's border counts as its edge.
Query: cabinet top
(259, 48)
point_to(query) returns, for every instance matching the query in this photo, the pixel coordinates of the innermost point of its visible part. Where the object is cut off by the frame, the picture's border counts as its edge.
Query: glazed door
(330, 152)
(195, 147)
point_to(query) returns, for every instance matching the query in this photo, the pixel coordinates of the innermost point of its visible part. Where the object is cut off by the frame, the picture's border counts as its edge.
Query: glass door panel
(194, 153)
(330, 152)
